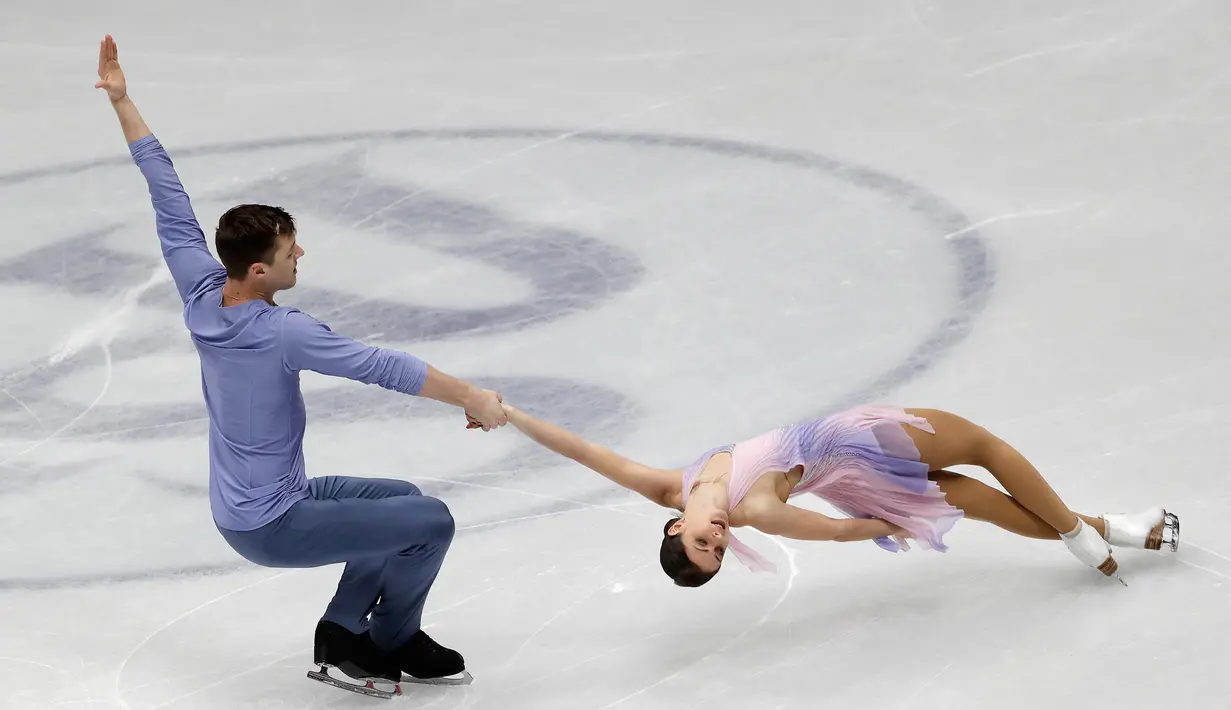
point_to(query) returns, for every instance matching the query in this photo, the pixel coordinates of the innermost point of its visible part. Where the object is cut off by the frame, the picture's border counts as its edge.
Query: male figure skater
(392, 539)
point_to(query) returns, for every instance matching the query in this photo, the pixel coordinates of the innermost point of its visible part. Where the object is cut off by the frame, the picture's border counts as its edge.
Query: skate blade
(368, 688)
(463, 678)
(1111, 568)
(1165, 534)
(1171, 524)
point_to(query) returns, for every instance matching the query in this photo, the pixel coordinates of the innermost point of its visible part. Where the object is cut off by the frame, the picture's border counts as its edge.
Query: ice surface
(668, 226)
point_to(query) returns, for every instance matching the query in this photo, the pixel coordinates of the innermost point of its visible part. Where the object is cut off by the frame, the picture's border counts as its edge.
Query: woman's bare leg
(959, 442)
(979, 501)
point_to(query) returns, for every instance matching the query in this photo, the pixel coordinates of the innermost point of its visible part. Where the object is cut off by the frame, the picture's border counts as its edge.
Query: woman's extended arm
(657, 485)
(777, 518)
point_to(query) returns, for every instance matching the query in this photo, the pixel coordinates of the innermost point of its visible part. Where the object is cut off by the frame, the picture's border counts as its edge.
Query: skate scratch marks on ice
(1033, 55)
(23, 405)
(458, 603)
(601, 586)
(929, 681)
(581, 505)
(1098, 45)
(363, 177)
(150, 427)
(101, 332)
(227, 679)
(102, 392)
(586, 661)
(591, 506)
(1224, 575)
(539, 144)
(790, 583)
(1047, 212)
(587, 595)
(1188, 543)
(494, 523)
(74, 679)
(119, 674)
(1205, 569)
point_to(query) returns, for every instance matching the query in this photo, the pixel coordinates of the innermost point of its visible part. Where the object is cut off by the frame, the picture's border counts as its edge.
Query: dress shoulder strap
(689, 476)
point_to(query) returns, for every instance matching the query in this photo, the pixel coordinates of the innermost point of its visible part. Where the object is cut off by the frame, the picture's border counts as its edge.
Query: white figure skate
(1088, 546)
(1150, 529)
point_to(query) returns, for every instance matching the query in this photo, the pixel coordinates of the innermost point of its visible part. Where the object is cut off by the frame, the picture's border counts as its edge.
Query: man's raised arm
(183, 242)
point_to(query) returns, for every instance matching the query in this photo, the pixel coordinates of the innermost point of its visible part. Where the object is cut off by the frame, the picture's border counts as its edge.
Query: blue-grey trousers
(392, 538)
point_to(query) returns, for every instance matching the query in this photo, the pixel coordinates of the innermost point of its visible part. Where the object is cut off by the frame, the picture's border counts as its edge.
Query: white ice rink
(668, 226)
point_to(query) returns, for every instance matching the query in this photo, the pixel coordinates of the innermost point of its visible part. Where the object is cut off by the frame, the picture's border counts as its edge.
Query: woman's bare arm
(777, 518)
(658, 485)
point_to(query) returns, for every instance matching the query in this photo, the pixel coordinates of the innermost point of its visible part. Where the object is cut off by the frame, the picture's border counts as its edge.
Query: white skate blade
(463, 678)
(367, 688)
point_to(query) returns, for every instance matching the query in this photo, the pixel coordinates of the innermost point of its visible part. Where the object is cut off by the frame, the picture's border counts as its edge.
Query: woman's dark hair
(675, 561)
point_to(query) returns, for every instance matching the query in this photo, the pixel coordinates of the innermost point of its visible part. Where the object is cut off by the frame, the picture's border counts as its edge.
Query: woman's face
(705, 536)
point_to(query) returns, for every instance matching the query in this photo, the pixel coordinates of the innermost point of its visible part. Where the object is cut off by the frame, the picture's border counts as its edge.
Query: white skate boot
(1088, 546)
(1148, 530)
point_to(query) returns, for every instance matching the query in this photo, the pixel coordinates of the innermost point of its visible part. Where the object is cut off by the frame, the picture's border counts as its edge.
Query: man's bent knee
(438, 519)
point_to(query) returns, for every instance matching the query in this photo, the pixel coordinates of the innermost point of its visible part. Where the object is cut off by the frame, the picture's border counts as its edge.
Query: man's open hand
(110, 76)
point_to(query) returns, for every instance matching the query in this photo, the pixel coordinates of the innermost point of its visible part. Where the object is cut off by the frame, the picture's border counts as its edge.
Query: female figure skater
(883, 466)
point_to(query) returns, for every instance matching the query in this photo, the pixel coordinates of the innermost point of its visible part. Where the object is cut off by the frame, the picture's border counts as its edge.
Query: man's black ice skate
(357, 657)
(422, 660)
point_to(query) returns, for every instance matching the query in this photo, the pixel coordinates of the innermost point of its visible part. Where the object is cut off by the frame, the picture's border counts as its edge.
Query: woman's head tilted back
(693, 547)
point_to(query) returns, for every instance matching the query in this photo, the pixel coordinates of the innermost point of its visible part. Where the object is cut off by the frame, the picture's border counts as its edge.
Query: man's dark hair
(247, 234)
(675, 561)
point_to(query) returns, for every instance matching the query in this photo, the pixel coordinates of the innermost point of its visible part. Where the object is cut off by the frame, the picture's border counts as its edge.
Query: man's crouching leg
(386, 532)
(407, 579)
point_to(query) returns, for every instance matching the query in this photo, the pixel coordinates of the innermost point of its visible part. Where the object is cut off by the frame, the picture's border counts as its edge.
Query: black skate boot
(356, 656)
(425, 661)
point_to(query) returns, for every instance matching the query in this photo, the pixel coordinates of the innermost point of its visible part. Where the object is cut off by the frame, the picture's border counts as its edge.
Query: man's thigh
(337, 487)
(356, 519)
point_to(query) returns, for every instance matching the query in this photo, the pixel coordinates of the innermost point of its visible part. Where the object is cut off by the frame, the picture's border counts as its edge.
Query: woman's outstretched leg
(958, 442)
(980, 501)
(1150, 529)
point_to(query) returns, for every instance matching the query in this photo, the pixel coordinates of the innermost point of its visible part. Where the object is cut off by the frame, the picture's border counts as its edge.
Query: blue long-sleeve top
(251, 355)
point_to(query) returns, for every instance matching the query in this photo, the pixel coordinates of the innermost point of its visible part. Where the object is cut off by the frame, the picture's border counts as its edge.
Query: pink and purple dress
(861, 461)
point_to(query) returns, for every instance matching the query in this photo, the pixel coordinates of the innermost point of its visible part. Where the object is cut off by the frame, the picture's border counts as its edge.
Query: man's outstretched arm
(183, 242)
(309, 344)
